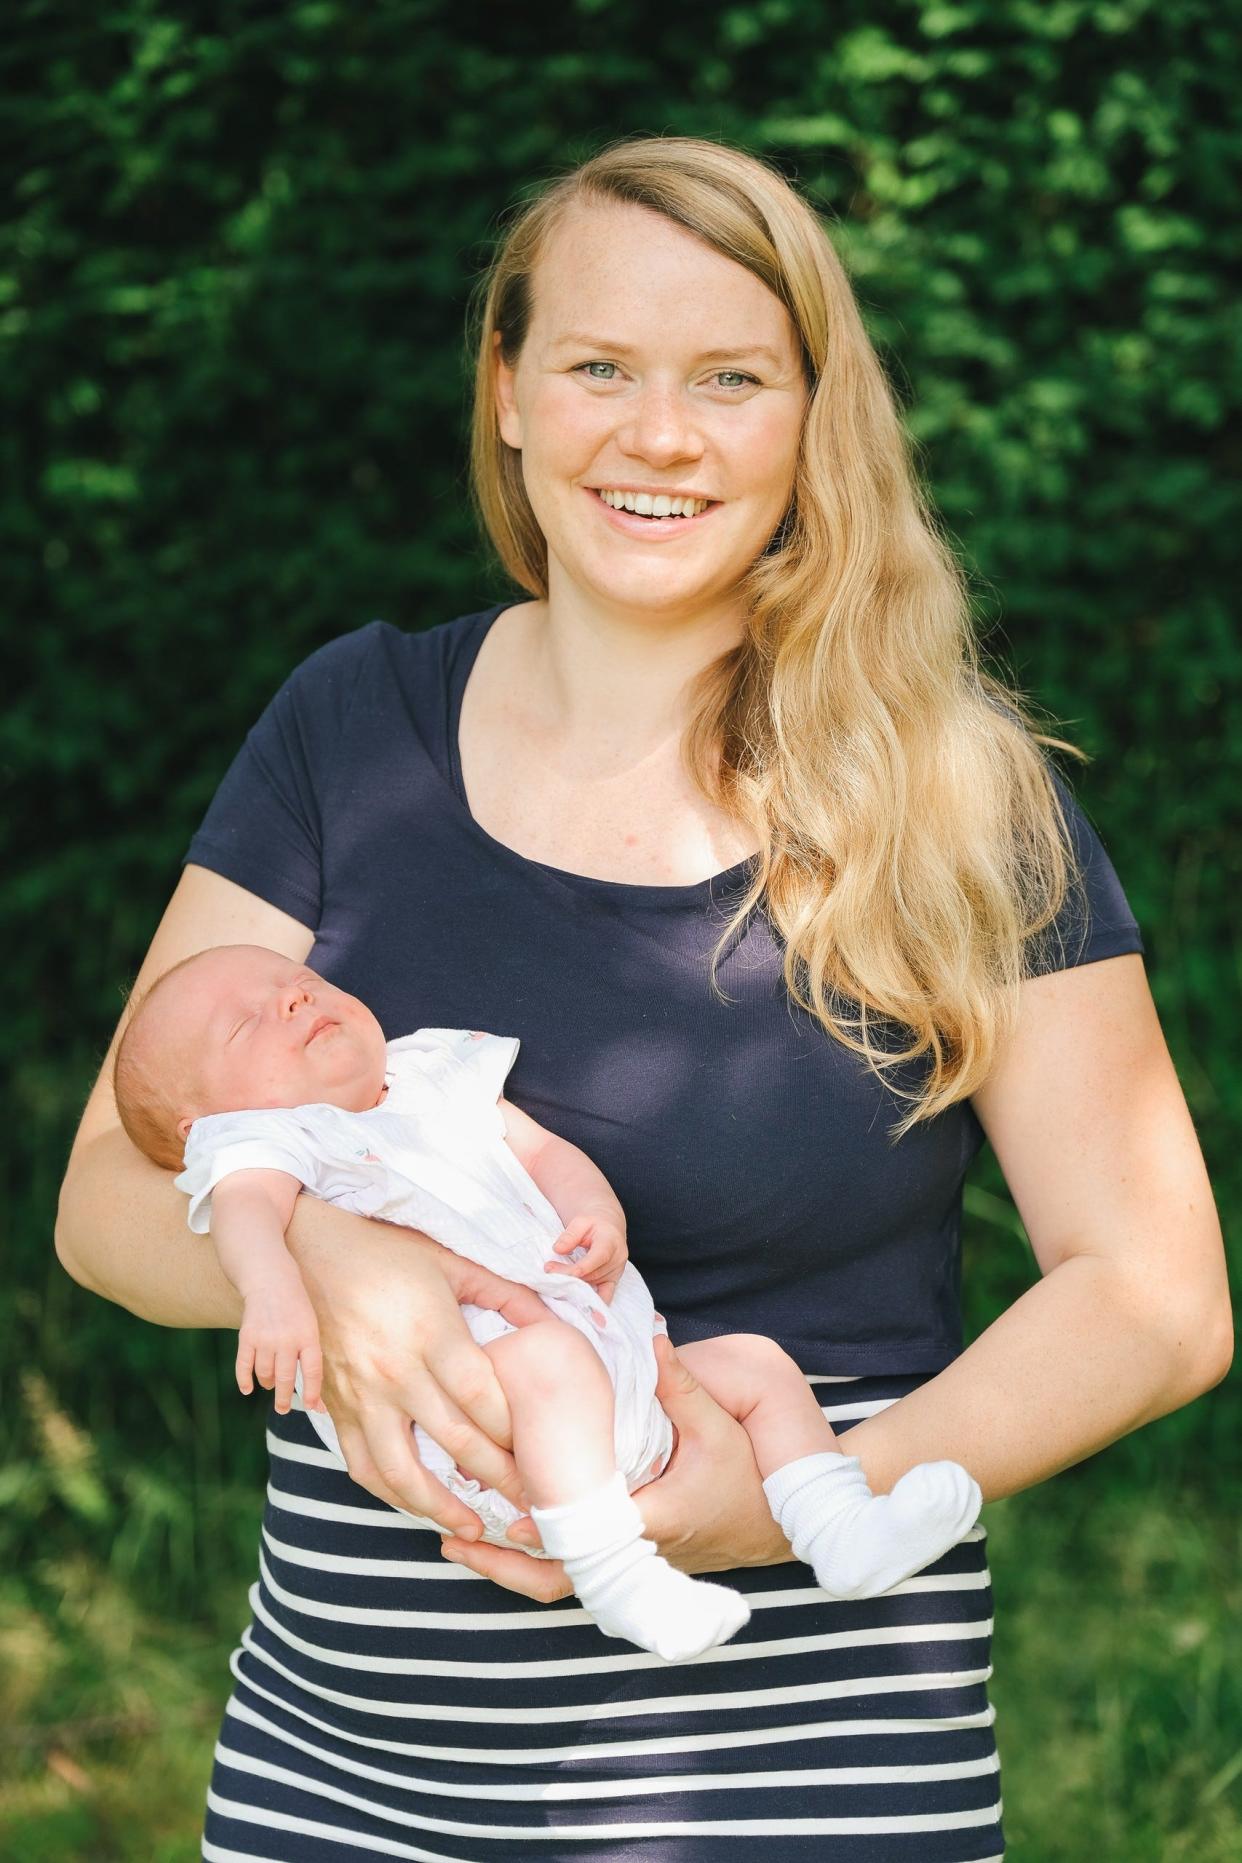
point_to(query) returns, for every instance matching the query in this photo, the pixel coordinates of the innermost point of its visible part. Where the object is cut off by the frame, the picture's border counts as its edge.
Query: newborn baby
(263, 1079)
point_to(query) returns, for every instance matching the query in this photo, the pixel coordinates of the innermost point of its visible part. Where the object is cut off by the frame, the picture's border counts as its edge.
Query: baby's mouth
(317, 1028)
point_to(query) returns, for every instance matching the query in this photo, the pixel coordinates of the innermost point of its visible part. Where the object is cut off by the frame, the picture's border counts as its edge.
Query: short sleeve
(263, 827)
(471, 1068)
(1095, 920)
(486, 1061)
(221, 1143)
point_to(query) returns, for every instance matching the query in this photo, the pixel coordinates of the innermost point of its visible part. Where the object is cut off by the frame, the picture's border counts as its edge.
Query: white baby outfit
(433, 1156)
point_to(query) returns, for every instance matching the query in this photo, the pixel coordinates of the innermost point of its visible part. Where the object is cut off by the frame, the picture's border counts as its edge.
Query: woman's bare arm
(1131, 1318)
(387, 1299)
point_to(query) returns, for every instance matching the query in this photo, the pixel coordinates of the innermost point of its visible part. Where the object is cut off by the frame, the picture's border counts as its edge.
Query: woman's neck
(613, 683)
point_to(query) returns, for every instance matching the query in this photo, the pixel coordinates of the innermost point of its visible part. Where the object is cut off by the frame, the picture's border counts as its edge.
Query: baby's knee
(753, 1353)
(545, 1356)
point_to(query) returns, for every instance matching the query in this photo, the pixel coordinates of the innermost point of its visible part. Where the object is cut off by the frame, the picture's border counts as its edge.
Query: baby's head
(235, 1027)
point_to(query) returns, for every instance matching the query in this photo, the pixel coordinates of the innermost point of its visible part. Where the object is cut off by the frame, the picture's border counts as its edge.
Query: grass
(1118, 1686)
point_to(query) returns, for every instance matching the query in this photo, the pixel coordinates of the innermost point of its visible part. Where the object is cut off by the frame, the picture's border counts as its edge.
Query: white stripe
(878, 1636)
(298, 1452)
(824, 1377)
(549, 1791)
(534, 1619)
(348, 1516)
(839, 1412)
(614, 1710)
(565, 1833)
(624, 1749)
(537, 1619)
(363, 1568)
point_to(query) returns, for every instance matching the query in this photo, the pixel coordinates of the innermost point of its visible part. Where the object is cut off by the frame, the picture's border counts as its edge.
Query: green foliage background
(234, 265)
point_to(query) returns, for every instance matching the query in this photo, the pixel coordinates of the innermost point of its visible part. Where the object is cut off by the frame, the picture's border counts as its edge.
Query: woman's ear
(507, 415)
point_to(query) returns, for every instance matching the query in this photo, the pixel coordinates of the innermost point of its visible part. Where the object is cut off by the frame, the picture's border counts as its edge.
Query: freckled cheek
(562, 432)
(766, 456)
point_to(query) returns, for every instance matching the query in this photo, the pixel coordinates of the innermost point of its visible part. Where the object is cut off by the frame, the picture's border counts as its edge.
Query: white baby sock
(627, 1587)
(861, 1543)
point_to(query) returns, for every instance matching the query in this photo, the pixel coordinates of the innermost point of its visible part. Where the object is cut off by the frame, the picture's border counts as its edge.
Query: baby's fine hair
(143, 1100)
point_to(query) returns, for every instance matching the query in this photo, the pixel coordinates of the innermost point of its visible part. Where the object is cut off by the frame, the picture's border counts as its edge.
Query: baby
(264, 1079)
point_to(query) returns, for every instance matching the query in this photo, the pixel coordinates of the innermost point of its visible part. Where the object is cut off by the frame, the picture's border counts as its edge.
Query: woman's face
(652, 365)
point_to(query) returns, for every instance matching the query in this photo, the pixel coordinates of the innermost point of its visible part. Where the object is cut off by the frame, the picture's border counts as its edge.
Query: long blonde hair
(912, 842)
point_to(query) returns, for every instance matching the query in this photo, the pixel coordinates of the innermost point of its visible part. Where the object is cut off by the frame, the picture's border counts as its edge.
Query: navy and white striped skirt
(388, 1704)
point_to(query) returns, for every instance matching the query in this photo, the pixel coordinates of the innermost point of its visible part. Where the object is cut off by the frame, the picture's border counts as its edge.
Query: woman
(776, 887)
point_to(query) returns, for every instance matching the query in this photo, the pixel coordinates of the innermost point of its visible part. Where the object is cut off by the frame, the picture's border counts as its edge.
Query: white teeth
(658, 505)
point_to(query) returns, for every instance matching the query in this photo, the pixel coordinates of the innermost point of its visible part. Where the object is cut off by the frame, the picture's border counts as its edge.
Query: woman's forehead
(625, 271)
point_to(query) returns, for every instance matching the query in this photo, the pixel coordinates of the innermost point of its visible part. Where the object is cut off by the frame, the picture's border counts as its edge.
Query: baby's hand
(278, 1328)
(606, 1256)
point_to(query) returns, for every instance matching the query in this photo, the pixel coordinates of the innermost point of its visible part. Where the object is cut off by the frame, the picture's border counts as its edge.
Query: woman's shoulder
(392, 658)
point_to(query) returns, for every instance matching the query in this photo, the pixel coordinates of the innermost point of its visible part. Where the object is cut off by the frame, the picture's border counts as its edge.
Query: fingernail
(451, 1554)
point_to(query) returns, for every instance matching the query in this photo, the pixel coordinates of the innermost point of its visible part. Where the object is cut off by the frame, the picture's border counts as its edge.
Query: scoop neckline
(738, 874)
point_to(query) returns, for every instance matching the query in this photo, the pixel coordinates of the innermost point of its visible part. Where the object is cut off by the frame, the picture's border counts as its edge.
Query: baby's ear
(183, 1127)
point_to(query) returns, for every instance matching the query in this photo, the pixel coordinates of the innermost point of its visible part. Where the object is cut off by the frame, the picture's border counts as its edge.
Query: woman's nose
(662, 428)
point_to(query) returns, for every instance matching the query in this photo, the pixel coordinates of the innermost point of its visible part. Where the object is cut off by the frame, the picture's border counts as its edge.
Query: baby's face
(249, 1028)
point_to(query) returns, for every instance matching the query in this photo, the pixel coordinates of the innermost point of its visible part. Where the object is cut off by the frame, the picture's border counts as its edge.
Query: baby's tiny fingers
(312, 1378)
(286, 1368)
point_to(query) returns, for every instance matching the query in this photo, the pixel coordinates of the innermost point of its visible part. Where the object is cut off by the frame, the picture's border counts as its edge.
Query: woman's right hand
(395, 1348)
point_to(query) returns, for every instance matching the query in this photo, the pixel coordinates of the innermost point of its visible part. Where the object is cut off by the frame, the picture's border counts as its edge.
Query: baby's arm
(250, 1211)
(581, 1196)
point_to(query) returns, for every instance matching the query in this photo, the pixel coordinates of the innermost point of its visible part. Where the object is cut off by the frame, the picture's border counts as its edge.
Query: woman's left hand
(707, 1512)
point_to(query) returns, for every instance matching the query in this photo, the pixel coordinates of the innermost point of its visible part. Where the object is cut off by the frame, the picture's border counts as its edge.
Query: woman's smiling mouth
(650, 527)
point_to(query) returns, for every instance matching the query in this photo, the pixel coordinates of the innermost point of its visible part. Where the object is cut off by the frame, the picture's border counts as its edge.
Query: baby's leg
(561, 1404)
(749, 1376)
(859, 1544)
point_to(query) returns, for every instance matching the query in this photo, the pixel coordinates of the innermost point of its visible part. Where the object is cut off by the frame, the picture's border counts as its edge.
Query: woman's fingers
(470, 1282)
(455, 1428)
(459, 1377)
(381, 1457)
(541, 1579)
(244, 1369)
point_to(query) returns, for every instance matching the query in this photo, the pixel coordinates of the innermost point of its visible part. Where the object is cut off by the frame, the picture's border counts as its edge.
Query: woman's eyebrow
(576, 341)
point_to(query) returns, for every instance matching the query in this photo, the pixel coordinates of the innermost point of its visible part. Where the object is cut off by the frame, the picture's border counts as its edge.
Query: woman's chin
(651, 589)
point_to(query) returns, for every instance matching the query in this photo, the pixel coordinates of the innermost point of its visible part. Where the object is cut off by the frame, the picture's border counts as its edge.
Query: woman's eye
(740, 379)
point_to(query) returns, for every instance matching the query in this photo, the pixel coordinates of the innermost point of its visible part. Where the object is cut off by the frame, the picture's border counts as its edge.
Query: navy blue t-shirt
(750, 1151)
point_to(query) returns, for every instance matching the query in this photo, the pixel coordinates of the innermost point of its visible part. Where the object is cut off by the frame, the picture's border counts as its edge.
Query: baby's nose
(293, 1000)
